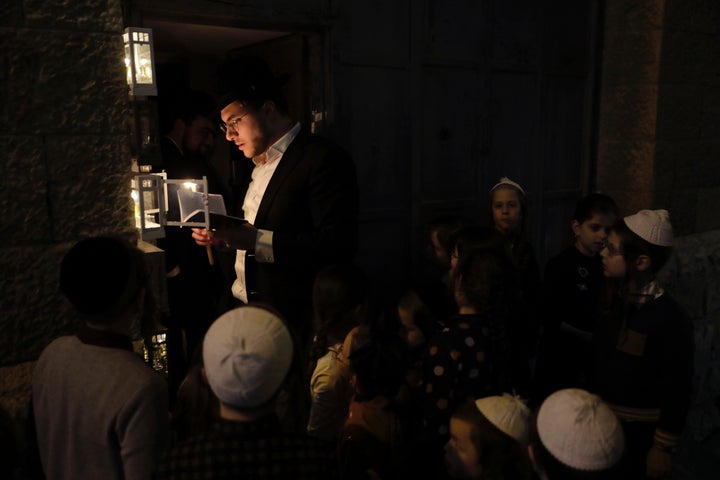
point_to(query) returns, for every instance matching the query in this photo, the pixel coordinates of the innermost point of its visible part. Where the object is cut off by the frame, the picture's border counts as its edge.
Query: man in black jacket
(300, 203)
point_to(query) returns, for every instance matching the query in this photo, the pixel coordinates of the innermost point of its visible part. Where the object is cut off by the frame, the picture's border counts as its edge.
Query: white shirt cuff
(264, 247)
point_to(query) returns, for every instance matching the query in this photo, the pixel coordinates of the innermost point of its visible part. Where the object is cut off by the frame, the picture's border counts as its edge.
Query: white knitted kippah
(580, 430)
(508, 413)
(652, 226)
(505, 181)
(247, 353)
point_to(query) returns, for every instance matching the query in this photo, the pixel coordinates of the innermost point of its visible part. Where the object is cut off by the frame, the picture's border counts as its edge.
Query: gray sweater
(100, 412)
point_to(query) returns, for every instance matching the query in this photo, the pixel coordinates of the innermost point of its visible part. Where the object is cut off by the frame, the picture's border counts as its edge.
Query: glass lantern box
(160, 202)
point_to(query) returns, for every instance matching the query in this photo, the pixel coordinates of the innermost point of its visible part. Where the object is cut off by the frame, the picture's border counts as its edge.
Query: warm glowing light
(139, 61)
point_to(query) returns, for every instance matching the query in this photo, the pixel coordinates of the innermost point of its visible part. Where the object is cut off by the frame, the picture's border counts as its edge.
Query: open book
(192, 203)
(192, 209)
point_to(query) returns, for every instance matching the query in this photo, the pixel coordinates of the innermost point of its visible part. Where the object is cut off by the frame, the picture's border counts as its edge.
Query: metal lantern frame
(140, 61)
(150, 194)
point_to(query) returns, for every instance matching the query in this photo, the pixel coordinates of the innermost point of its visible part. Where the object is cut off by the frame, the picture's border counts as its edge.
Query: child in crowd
(372, 442)
(418, 323)
(196, 408)
(418, 327)
(516, 327)
(517, 323)
(509, 215)
(442, 230)
(248, 354)
(99, 410)
(469, 357)
(475, 236)
(644, 343)
(433, 288)
(488, 440)
(572, 287)
(575, 436)
(339, 302)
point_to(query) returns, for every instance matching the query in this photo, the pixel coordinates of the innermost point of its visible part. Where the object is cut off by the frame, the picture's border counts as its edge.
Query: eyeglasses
(612, 251)
(232, 124)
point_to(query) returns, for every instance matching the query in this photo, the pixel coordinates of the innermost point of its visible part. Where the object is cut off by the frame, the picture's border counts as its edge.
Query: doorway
(188, 55)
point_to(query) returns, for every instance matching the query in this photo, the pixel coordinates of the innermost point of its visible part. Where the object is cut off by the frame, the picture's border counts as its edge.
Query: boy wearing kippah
(644, 344)
(488, 439)
(575, 436)
(248, 354)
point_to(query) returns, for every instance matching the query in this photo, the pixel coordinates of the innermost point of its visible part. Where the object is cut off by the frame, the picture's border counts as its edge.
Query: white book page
(191, 203)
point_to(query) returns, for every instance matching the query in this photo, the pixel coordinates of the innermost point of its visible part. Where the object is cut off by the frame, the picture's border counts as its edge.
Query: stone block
(89, 190)
(685, 276)
(708, 215)
(34, 311)
(690, 164)
(693, 278)
(703, 417)
(677, 112)
(23, 191)
(632, 57)
(64, 81)
(631, 15)
(683, 207)
(665, 166)
(15, 389)
(628, 112)
(710, 113)
(12, 13)
(98, 16)
(690, 58)
(713, 285)
(625, 165)
(692, 15)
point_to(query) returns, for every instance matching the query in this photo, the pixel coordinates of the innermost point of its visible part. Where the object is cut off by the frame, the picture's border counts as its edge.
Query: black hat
(246, 78)
(100, 275)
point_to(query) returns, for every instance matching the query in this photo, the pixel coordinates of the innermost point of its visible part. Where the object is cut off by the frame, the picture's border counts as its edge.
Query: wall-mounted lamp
(140, 61)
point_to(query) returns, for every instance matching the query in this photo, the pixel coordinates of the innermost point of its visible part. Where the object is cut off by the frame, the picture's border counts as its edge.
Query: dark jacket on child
(644, 367)
(572, 286)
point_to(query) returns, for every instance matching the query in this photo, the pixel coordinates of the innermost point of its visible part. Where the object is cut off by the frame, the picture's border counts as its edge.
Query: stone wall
(686, 172)
(65, 170)
(628, 102)
(693, 277)
(659, 133)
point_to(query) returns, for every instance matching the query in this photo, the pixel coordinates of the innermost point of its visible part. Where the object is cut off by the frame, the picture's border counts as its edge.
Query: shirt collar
(102, 338)
(278, 148)
(649, 292)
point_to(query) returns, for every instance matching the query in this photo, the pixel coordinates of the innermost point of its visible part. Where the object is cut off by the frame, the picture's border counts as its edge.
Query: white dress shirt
(265, 166)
